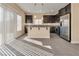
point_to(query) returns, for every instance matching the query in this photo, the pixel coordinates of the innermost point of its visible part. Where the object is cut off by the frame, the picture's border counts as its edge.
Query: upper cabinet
(65, 10)
(28, 18)
(68, 8)
(50, 18)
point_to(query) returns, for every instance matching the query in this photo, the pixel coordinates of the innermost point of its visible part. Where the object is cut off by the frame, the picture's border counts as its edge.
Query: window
(19, 23)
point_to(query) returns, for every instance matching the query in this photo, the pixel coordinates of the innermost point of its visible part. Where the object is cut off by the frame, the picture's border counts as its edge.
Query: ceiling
(41, 8)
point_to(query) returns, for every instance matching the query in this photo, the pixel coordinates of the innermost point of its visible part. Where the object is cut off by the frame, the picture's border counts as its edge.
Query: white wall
(75, 23)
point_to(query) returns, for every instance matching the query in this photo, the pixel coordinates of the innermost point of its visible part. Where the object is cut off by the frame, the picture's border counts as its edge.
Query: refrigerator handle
(60, 23)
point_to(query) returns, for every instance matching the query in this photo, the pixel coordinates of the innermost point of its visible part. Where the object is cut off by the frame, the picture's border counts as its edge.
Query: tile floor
(55, 46)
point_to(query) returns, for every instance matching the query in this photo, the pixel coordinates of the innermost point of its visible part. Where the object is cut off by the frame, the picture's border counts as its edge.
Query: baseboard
(75, 42)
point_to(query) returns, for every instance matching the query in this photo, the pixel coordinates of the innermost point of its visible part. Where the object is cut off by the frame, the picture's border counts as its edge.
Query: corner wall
(74, 22)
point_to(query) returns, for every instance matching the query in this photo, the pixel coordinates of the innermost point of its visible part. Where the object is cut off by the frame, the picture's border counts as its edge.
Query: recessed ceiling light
(34, 16)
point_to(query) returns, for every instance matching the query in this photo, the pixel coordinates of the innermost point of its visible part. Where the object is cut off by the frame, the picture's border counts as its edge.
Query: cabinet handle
(38, 28)
(46, 28)
(30, 28)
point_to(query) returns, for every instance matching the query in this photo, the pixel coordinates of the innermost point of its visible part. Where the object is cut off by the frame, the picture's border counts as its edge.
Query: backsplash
(38, 19)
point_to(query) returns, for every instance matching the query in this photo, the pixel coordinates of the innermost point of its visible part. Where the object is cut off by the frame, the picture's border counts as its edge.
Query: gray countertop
(42, 25)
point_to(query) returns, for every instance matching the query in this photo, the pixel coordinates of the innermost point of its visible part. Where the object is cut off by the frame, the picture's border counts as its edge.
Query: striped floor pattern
(28, 50)
(4, 51)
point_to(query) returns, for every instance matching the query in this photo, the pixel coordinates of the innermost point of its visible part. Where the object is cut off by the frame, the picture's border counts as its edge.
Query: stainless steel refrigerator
(65, 27)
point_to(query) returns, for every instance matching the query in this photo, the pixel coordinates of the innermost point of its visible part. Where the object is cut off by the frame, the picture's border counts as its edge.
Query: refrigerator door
(64, 29)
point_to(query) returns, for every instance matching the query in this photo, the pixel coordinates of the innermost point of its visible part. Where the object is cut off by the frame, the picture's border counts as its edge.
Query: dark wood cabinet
(52, 30)
(50, 18)
(68, 8)
(65, 10)
(28, 19)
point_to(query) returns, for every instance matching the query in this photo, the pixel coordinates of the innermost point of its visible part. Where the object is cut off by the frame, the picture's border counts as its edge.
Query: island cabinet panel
(38, 32)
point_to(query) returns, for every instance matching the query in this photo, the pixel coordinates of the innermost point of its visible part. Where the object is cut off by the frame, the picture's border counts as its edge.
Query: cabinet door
(65, 10)
(62, 11)
(28, 19)
(68, 8)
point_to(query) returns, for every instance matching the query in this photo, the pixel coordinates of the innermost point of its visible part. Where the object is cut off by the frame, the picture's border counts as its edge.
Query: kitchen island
(39, 30)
